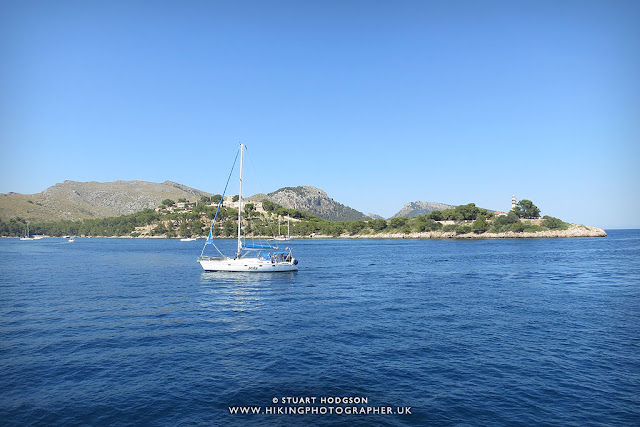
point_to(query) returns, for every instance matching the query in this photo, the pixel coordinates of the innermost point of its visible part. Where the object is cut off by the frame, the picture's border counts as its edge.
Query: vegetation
(526, 209)
(459, 213)
(195, 221)
(554, 223)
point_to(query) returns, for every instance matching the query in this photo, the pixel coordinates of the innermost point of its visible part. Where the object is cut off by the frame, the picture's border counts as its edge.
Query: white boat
(188, 239)
(26, 235)
(71, 239)
(280, 237)
(259, 258)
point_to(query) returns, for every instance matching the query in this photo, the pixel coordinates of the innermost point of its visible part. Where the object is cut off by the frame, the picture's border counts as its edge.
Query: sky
(378, 103)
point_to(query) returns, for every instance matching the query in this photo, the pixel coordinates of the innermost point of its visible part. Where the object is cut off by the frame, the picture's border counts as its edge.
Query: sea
(503, 332)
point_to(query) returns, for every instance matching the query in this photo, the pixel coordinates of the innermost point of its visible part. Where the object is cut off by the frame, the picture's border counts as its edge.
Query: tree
(196, 226)
(553, 223)
(435, 215)
(480, 225)
(229, 228)
(398, 222)
(184, 229)
(526, 209)
(378, 224)
(468, 211)
(168, 202)
(354, 227)
(159, 230)
(269, 206)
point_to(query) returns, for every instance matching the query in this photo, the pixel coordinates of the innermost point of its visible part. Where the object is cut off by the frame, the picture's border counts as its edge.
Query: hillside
(74, 200)
(78, 200)
(314, 201)
(418, 208)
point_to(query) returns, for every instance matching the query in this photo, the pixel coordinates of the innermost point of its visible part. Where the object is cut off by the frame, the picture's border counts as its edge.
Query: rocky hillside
(77, 200)
(421, 208)
(374, 216)
(313, 200)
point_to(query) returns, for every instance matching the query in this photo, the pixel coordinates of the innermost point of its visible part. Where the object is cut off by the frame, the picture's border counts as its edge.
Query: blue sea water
(483, 332)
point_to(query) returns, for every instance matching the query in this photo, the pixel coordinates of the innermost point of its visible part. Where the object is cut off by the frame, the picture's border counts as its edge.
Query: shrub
(449, 227)
(553, 223)
(378, 224)
(480, 225)
(397, 222)
(463, 229)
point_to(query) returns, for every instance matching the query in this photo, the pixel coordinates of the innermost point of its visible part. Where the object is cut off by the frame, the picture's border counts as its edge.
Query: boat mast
(240, 203)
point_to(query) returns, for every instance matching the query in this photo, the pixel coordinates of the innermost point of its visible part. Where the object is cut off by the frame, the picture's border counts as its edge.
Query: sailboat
(249, 257)
(280, 237)
(26, 236)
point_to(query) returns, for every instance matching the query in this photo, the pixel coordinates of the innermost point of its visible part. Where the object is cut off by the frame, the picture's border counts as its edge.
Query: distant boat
(71, 239)
(38, 237)
(280, 237)
(249, 257)
(188, 239)
(27, 236)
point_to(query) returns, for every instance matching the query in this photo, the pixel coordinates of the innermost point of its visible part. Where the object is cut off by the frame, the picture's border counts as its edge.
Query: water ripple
(506, 332)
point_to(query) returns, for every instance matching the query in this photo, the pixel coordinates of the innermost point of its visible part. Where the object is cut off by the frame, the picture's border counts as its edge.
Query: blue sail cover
(258, 246)
(210, 238)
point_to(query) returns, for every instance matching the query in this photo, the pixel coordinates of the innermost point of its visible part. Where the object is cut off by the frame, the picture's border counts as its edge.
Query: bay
(483, 332)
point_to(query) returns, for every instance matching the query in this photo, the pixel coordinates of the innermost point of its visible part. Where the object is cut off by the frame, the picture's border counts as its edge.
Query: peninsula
(184, 218)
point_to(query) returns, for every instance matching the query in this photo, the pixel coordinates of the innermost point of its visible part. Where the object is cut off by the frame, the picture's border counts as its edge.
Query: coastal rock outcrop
(574, 230)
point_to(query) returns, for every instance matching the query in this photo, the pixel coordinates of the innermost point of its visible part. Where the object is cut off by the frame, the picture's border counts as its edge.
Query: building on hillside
(228, 202)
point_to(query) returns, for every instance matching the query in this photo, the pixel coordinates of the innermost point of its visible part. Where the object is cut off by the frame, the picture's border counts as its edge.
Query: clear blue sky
(378, 103)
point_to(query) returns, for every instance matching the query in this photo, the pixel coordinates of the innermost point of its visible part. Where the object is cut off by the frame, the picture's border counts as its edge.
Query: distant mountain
(374, 216)
(78, 200)
(421, 208)
(312, 200)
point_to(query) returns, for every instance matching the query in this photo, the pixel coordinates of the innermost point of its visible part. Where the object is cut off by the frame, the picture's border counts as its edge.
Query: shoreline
(574, 230)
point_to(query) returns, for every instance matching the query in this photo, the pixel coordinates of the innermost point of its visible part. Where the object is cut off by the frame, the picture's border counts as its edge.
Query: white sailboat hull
(254, 265)
(256, 258)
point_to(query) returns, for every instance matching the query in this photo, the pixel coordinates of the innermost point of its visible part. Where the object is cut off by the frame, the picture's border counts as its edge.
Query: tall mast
(240, 202)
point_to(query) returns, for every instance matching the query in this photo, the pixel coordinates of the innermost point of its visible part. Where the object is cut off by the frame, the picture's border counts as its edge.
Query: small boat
(71, 239)
(188, 239)
(249, 257)
(27, 236)
(280, 237)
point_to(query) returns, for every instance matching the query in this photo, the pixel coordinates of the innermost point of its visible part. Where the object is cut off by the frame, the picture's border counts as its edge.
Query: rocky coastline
(574, 230)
